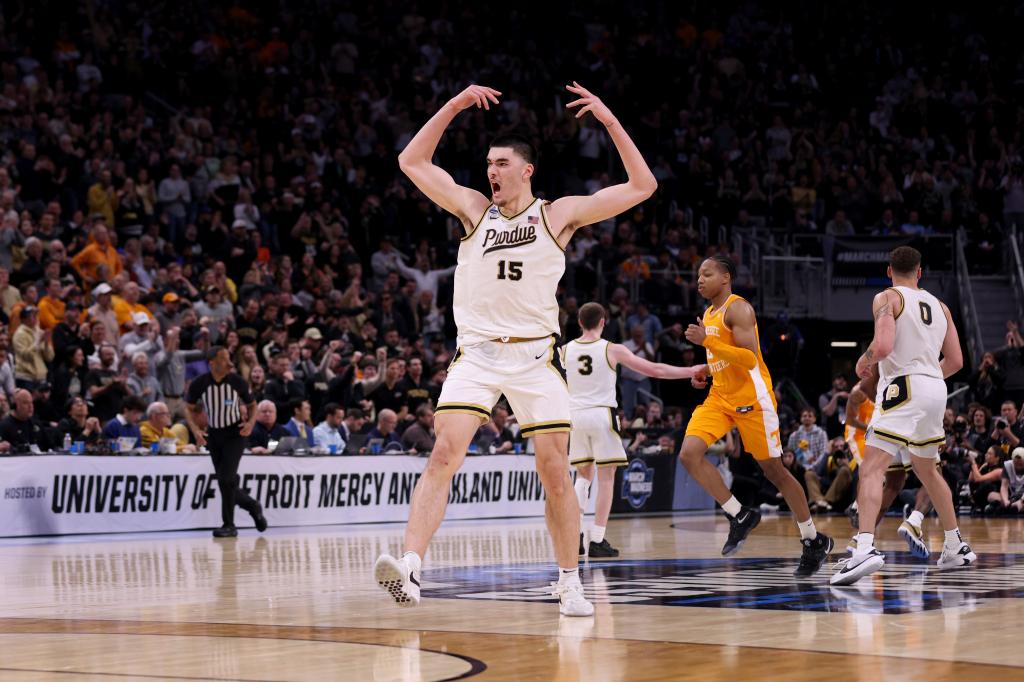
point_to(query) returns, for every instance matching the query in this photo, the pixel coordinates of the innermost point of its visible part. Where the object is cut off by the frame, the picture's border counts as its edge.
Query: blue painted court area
(904, 585)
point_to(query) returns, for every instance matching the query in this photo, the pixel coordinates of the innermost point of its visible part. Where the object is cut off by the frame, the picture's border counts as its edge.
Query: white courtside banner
(63, 494)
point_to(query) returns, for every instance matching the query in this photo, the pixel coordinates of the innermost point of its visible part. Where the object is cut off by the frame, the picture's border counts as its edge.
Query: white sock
(953, 539)
(807, 529)
(915, 518)
(582, 493)
(413, 560)
(732, 506)
(567, 576)
(865, 542)
(597, 534)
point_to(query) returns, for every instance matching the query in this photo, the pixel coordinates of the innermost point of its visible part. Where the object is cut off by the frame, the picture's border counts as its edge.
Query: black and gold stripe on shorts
(903, 440)
(464, 408)
(556, 426)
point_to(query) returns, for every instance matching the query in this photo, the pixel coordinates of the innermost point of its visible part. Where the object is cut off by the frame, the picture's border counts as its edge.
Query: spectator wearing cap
(20, 428)
(99, 253)
(127, 307)
(125, 424)
(33, 350)
(51, 306)
(214, 307)
(144, 337)
(102, 311)
(169, 314)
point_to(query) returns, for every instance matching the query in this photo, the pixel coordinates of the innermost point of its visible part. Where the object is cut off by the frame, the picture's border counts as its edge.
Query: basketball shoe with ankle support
(398, 579)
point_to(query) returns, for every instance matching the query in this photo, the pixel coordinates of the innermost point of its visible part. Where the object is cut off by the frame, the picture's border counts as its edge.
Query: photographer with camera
(986, 481)
(1011, 489)
(1007, 430)
(957, 456)
(835, 471)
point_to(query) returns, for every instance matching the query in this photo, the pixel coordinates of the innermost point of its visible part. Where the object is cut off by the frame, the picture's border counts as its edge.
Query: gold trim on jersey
(903, 302)
(478, 223)
(547, 227)
(611, 463)
(592, 341)
(513, 217)
(606, 358)
(557, 426)
(464, 408)
(560, 371)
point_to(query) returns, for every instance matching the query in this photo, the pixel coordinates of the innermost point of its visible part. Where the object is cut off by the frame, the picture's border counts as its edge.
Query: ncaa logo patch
(637, 483)
(493, 213)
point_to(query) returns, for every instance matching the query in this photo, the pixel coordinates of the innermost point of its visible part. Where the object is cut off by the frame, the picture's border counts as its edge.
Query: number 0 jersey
(920, 331)
(590, 374)
(507, 274)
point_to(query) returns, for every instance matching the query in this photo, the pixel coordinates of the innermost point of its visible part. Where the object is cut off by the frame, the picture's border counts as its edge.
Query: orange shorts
(758, 426)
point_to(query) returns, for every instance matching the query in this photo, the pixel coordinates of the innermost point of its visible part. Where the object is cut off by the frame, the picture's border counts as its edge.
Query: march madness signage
(862, 261)
(59, 494)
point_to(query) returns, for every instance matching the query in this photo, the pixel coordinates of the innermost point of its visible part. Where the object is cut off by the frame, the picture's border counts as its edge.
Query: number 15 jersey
(506, 278)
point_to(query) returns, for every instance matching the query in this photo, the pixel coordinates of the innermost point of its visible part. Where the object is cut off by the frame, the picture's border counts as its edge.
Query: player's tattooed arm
(885, 334)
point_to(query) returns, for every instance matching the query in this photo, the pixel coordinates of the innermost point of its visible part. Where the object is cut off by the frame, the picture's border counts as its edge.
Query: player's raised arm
(885, 308)
(416, 160)
(952, 356)
(572, 212)
(620, 355)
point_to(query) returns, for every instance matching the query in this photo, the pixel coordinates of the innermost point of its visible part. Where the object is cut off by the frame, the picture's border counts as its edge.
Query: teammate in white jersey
(912, 329)
(590, 364)
(509, 265)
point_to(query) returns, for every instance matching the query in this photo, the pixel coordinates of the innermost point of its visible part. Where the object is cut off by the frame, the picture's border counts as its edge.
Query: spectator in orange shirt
(51, 306)
(99, 252)
(102, 198)
(127, 304)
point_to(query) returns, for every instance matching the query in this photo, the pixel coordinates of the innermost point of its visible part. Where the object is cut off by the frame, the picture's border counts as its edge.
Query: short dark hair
(725, 263)
(331, 408)
(212, 353)
(134, 403)
(519, 144)
(354, 413)
(811, 410)
(591, 315)
(296, 404)
(422, 410)
(905, 260)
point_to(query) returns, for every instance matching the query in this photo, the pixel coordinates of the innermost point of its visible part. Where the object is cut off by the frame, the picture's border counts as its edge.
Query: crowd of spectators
(189, 174)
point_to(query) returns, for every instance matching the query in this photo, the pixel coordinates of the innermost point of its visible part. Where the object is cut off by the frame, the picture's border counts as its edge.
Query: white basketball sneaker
(856, 567)
(953, 558)
(398, 579)
(571, 601)
(915, 539)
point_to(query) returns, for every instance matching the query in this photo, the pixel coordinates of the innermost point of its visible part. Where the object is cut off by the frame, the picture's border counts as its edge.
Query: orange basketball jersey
(855, 437)
(734, 385)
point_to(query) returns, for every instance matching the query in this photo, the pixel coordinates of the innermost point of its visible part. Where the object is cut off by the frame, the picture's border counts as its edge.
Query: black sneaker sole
(824, 557)
(601, 554)
(730, 552)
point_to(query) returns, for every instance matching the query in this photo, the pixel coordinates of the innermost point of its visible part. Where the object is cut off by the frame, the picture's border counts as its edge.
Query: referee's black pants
(226, 446)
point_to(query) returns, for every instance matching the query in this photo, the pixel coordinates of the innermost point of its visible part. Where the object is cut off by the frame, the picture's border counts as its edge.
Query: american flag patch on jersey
(533, 220)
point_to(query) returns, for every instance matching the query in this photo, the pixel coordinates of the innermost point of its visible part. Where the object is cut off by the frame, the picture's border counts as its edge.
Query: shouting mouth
(495, 187)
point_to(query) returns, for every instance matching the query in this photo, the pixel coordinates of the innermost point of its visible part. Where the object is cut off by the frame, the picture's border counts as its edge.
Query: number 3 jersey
(507, 274)
(920, 331)
(590, 374)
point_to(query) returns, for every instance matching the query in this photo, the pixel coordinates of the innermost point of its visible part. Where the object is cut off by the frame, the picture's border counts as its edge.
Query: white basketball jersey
(590, 374)
(920, 331)
(507, 274)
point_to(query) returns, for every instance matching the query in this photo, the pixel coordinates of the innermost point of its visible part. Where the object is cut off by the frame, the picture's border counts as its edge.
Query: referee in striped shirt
(220, 394)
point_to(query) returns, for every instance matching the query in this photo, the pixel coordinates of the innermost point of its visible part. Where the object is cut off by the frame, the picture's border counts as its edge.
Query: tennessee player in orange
(741, 396)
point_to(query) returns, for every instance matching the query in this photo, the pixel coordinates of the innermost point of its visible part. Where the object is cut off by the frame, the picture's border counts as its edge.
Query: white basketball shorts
(595, 438)
(529, 373)
(908, 418)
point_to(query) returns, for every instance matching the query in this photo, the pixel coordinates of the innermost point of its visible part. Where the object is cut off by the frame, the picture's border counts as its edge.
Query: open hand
(696, 333)
(588, 101)
(478, 95)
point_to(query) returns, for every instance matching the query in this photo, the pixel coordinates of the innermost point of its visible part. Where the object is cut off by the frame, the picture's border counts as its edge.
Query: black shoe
(853, 513)
(260, 520)
(583, 550)
(602, 550)
(739, 528)
(991, 508)
(225, 531)
(815, 553)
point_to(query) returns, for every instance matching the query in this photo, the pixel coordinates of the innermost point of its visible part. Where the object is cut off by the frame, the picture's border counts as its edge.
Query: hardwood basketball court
(300, 604)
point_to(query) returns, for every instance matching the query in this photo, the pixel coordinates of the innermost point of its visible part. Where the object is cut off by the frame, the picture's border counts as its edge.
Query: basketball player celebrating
(859, 409)
(912, 328)
(590, 363)
(509, 265)
(741, 396)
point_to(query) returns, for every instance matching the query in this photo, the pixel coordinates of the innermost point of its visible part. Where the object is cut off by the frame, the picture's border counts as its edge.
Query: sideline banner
(62, 494)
